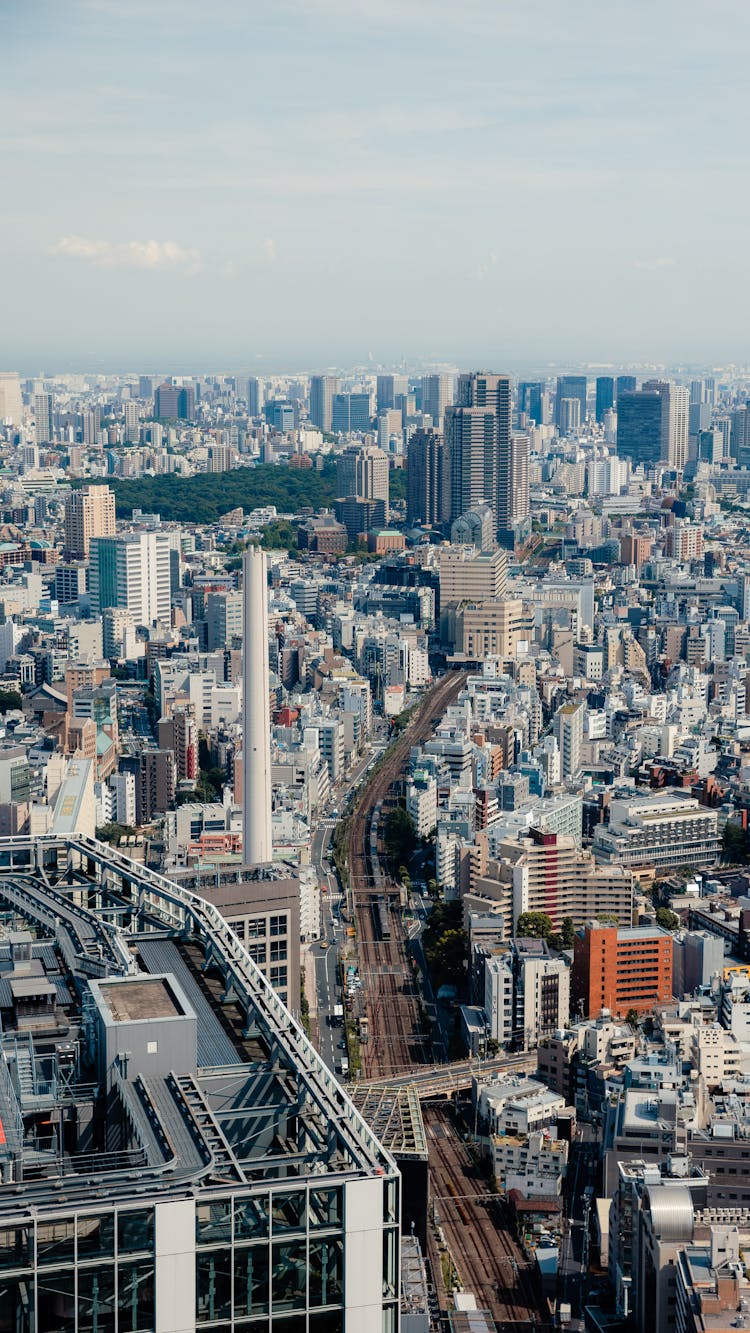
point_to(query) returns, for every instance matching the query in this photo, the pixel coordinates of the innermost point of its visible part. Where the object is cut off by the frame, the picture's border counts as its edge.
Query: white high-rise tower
(257, 848)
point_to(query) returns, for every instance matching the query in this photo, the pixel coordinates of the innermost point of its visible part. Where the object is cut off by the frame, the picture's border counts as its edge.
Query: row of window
(263, 1215)
(79, 1239)
(63, 1301)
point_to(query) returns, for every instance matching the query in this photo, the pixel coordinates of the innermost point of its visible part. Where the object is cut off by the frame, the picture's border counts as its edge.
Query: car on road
(342, 1045)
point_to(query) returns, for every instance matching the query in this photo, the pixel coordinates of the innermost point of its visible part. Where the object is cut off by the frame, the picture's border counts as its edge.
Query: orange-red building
(621, 969)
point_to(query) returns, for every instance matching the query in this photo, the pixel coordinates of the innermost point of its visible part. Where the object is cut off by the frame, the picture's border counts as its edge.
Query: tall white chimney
(257, 848)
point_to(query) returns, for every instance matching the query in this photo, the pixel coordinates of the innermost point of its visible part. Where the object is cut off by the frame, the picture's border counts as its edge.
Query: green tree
(534, 926)
(632, 1019)
(666, 919)
(400, 835)
(568, 932)
(114, 832)
(447, 958)
(734, 843)
(10, 699)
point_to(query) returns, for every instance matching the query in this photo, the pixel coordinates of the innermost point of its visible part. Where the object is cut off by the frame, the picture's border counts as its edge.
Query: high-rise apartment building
(605, 395)
(11, 402)
(132, 571)
(390, 390)
(362, 470)
(470, 438)
(513, 503)
(43, 417)
(89, 512)
(322, 390)
(675, 402)
(132, 422)
(436, 397)
(506, 475)
(621, 969)
(145, 387)
(570, 386)
(568, 729)
(639, 426)
(428, 479)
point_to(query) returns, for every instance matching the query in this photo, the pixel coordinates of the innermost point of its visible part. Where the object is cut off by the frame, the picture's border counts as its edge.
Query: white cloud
(128, 254)
(651, 264)
(269, 249)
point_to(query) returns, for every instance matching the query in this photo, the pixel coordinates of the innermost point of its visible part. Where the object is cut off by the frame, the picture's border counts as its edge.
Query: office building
(437, 392)
(390, 391)
(640, 426)
(175, 1153)
(11, 402)
(70, 582)
(132, 571)
(624, 384)
(362, 471)
(254, 396)
(322, 391)
(530, 402)
(257, 847)
(465, 577)
(506, 479)
(89, 512)
(605, 395)
(621, 968)
(568, 416)
(570, 386)
(658, 831)
(350, 412)
(43, 417)
(174, 402)
(428, 479)
(145, 387)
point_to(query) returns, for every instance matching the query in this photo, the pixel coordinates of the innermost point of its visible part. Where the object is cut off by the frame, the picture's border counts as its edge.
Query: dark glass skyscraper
(530, 399)
(428, 482)
(640, 426)
(605, 395)
(624, 384)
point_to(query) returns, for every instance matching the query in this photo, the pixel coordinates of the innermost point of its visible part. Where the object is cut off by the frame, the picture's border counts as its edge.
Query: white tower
(256, 735)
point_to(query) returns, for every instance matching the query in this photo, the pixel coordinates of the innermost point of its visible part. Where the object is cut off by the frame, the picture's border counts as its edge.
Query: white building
(132, 571)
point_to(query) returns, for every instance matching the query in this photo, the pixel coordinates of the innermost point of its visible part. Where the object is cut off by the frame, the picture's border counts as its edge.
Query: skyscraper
(624, 384)
(350, 412)
(436, 397)
(530, 399)
(11, 403)
(639, 426)
(362, 470)
(675, 400)
(471, 442)
(43, 409)
(174, 402)
(89, 512)
(505, 484)
(428, 478)
(605, 395)
(513, 504)
(322, 390)
(568, 415)
(133, 571)
(254, 396)
(570, 386)
(257, 846)
(389, 389)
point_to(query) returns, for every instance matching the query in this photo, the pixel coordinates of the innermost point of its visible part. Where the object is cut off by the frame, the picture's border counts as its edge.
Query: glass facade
(86, 1274)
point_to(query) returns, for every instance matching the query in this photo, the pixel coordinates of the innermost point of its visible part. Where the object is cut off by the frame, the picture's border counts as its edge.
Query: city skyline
(178, 189)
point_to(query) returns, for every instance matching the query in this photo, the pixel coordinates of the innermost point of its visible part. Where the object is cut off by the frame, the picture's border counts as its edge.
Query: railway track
(489, 1262)
(396, 1042)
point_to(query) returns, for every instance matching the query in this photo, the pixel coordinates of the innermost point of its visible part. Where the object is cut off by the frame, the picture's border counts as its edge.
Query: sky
(224, 184)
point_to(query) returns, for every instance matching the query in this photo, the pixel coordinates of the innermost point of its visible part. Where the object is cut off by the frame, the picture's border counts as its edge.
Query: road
(580, 1191)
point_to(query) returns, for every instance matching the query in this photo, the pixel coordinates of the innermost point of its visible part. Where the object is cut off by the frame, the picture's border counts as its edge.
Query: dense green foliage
(114, 832)
(666, 919)
(10, 699)
(397, 484)
(400, 835)
(205, 497)
(445, 945)
(534, 926)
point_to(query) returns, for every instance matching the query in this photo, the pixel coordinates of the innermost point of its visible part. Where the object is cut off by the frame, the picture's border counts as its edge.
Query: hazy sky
(210, 183)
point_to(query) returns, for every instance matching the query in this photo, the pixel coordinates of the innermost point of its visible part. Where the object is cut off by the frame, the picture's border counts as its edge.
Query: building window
(96, 1300)
(96, 1237)
(251, 1280)
(279, 925)
(251, 1218)
(135, 1231)
(16, 1247)
(288, 1212)
(326, 1271)
(278, 951)
(213, 1276)
(55, 1243)
(278, 977)
(135, 1297)
(56, 1311)
(325, 1208)
(289, 1276)
(213, 1222)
